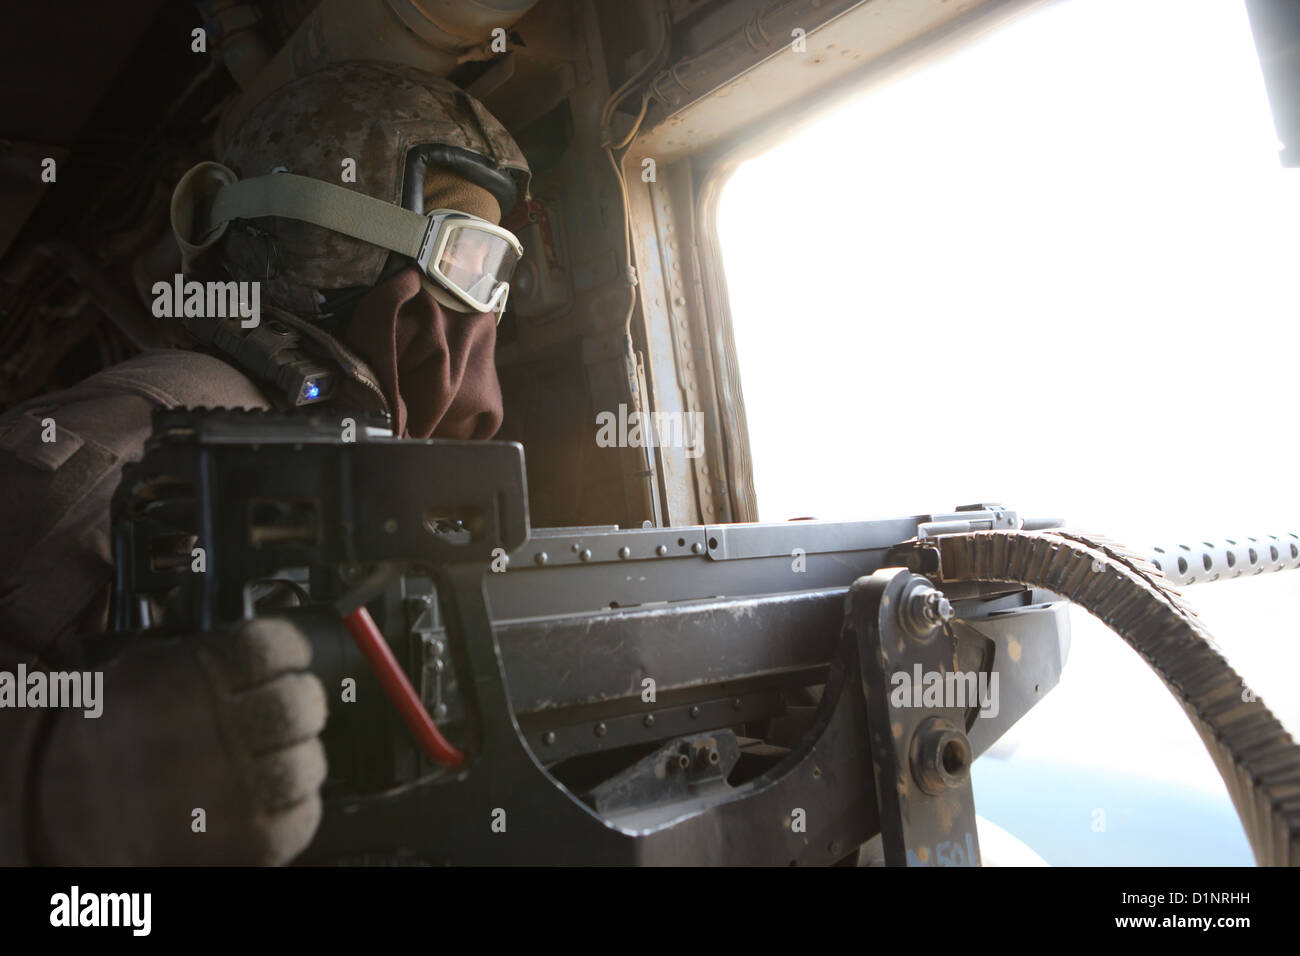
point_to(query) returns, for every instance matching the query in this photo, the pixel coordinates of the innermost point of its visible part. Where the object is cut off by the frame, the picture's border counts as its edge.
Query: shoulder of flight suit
(61, 457)
(55, 558)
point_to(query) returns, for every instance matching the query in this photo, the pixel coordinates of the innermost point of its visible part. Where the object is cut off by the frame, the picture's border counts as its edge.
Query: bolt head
(923, 609)
(937, 608)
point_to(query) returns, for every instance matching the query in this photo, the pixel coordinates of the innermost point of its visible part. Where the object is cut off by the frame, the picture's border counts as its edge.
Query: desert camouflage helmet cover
(375, 114)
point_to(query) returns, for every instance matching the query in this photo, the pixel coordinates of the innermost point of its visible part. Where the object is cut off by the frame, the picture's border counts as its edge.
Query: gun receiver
(703, 694)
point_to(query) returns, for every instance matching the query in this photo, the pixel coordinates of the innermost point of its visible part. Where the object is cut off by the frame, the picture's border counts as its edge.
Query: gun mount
(733, 694)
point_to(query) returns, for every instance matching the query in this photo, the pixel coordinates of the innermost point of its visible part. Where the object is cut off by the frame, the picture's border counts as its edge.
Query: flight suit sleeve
(55, 563)
(61, 458)
(21, 732)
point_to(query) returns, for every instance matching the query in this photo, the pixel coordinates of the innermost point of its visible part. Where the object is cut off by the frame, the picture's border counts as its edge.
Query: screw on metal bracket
(435, 663)
(708, 756)
(940, 756)
(923, 610)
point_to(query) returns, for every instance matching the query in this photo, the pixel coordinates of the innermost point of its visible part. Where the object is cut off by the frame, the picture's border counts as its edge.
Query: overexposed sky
(1056, 270)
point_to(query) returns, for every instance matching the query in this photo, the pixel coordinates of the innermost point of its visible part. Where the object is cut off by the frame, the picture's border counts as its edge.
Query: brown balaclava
(435, 365)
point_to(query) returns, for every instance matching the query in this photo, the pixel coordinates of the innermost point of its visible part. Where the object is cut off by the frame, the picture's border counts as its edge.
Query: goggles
(468, 258)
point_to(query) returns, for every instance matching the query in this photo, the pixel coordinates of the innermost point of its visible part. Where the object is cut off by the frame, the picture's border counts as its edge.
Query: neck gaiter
(435, 366)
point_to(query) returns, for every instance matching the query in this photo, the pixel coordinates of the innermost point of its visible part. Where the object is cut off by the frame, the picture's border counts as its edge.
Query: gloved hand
(226, 724)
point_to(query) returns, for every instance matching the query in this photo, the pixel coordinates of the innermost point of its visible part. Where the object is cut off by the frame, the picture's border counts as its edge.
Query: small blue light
(310, 390)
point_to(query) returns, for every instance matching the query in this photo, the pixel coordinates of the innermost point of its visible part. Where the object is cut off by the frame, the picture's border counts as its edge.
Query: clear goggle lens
(475, 261)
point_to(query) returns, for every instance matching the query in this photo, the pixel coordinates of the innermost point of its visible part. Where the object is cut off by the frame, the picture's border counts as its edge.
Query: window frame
(684, 313)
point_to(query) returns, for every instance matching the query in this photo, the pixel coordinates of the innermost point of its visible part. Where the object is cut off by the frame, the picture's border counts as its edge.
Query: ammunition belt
(1253, 752)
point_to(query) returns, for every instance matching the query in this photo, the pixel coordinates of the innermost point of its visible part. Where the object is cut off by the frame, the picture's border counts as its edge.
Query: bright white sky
(1057, 271)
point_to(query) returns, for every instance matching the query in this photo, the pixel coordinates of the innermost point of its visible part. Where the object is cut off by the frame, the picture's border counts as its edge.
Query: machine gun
(722, 694)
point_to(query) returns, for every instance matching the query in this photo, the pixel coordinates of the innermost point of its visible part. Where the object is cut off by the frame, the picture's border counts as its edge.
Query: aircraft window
(1054, 270)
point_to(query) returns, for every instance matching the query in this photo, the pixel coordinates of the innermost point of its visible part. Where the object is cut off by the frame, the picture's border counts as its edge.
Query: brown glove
(224, 724)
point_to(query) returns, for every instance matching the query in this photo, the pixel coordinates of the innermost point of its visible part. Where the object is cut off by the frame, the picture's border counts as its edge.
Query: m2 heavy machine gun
(724, 694)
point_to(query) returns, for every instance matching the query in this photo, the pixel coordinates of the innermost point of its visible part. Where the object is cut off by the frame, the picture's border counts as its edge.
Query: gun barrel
(1203, 561)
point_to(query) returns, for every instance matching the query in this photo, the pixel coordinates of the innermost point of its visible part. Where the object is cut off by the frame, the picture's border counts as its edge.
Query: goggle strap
(354, 214)
(332, 207)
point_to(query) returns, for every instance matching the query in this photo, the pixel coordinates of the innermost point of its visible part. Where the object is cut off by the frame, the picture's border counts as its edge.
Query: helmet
(388, 125)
